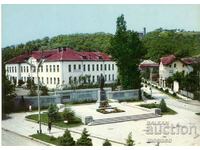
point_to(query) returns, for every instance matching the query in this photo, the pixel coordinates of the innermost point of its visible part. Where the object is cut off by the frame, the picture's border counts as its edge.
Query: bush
(20, 82)
(163, 106)
(174, 94)
(107, 143)
(44, 90)
(52, 138)
(167, 91)
(129, 141)
(66, 139)
(68, 115)
(84, 140)
(53, 114)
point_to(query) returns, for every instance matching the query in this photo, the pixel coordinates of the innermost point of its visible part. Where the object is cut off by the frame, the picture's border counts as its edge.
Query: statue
(103, 99)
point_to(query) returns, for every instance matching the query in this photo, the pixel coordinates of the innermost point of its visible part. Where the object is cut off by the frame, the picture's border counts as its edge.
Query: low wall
(188, 94)
(123, 95)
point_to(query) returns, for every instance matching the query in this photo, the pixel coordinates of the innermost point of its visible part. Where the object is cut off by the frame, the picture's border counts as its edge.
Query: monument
(103, 102)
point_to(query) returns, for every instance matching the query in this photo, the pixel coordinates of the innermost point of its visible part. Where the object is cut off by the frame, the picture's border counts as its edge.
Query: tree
(31, 86)
(163, 106)
(68, 115)
(84, 140)
(8, 95)
(67, 139)
(44, 90)
(127, 50)
(129, 141)
(107, 143)
(52, 113)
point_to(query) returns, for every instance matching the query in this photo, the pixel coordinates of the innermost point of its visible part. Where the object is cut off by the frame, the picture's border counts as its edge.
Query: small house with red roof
(61, 66)
(171, 64)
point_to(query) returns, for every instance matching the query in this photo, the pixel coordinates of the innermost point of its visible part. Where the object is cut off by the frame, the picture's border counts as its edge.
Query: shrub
(68, 115)
(174, 94)
(66, 139)
(129, 141)
(84, 140)
(44, 90)
(161, 89)
(52, 138)
(107, 143)
(167, 91)
(163, 106)
(20, 82)
(53, 114)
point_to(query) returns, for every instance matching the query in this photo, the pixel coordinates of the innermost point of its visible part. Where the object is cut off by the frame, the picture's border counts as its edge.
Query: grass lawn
(153, 105)
(198, 113)
(46, 138)
(44, 119)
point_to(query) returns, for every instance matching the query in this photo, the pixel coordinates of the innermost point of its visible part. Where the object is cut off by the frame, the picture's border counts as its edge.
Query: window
(109, 67)
(101, 67)
(15, 69)
(70, 80)
(69, 68)
(75, 79)
(50, 69)
(47, 80)
(105, 67)
(98, 78)
(54, 68)
(113, 77)
(105, 77)
(74, 67)
(112, 66)
(21, 69)
(58, 80)
(93, 67)
(97, 67)
(50, 80)
(41, 68)
(170, 66)
(24, 69)
(174, 65)
(33, 68)
(93, 78)
(57, 68)
(109, 77)
(88, 67)
(54, 80)
(79, 67)
(27, 69)
(83, 67)
(46, 68)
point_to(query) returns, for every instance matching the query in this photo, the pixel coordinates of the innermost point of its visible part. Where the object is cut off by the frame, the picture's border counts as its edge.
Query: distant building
(62, 66)
(169, 65)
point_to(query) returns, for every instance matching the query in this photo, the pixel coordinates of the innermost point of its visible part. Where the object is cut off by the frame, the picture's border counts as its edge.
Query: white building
(61, 66)
(169, 65)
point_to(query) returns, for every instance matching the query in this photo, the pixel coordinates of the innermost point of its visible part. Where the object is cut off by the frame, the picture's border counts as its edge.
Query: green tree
(52, 113)
(44, 90)
(163, 106)
(8, 95)
(107, 143)
(127, 50)
(32, 87)
(129, 140)
(84, 140)
(66, 139)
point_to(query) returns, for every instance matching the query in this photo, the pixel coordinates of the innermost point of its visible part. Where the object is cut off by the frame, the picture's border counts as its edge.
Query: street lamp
(38, 91)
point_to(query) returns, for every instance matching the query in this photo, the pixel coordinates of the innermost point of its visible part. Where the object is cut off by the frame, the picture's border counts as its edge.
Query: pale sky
(21, 23)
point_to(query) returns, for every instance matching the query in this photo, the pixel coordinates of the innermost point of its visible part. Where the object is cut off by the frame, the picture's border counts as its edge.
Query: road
(170, 101)
(13, 139)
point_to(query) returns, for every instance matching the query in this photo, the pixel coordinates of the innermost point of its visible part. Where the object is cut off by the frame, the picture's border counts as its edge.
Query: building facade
(169, 65)
(61, 67)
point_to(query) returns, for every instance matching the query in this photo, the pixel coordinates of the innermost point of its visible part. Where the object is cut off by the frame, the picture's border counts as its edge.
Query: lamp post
(38, 91)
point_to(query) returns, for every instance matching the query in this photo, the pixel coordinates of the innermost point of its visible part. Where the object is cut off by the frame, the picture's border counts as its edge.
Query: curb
(28, 137)
(92, 136)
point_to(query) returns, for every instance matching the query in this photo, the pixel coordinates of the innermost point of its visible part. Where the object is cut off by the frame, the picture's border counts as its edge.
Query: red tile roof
(191, 60)
(66, 54)
(167, 60)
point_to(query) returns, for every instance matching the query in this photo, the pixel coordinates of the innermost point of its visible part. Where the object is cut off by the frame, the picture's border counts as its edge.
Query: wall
(123, 95)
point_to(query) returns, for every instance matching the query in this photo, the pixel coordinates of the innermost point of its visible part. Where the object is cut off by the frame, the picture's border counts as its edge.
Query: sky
(22, 23)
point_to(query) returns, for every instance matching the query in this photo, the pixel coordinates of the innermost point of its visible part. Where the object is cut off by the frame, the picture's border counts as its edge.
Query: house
(169, 65)
(61, 66)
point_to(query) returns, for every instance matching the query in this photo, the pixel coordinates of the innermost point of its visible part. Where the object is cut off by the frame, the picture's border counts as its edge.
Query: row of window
(93, 79)
(50, 68)
(93, 67)
(12, 69)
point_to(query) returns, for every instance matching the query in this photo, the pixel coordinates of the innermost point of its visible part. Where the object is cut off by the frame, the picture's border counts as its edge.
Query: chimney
(144, 31)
